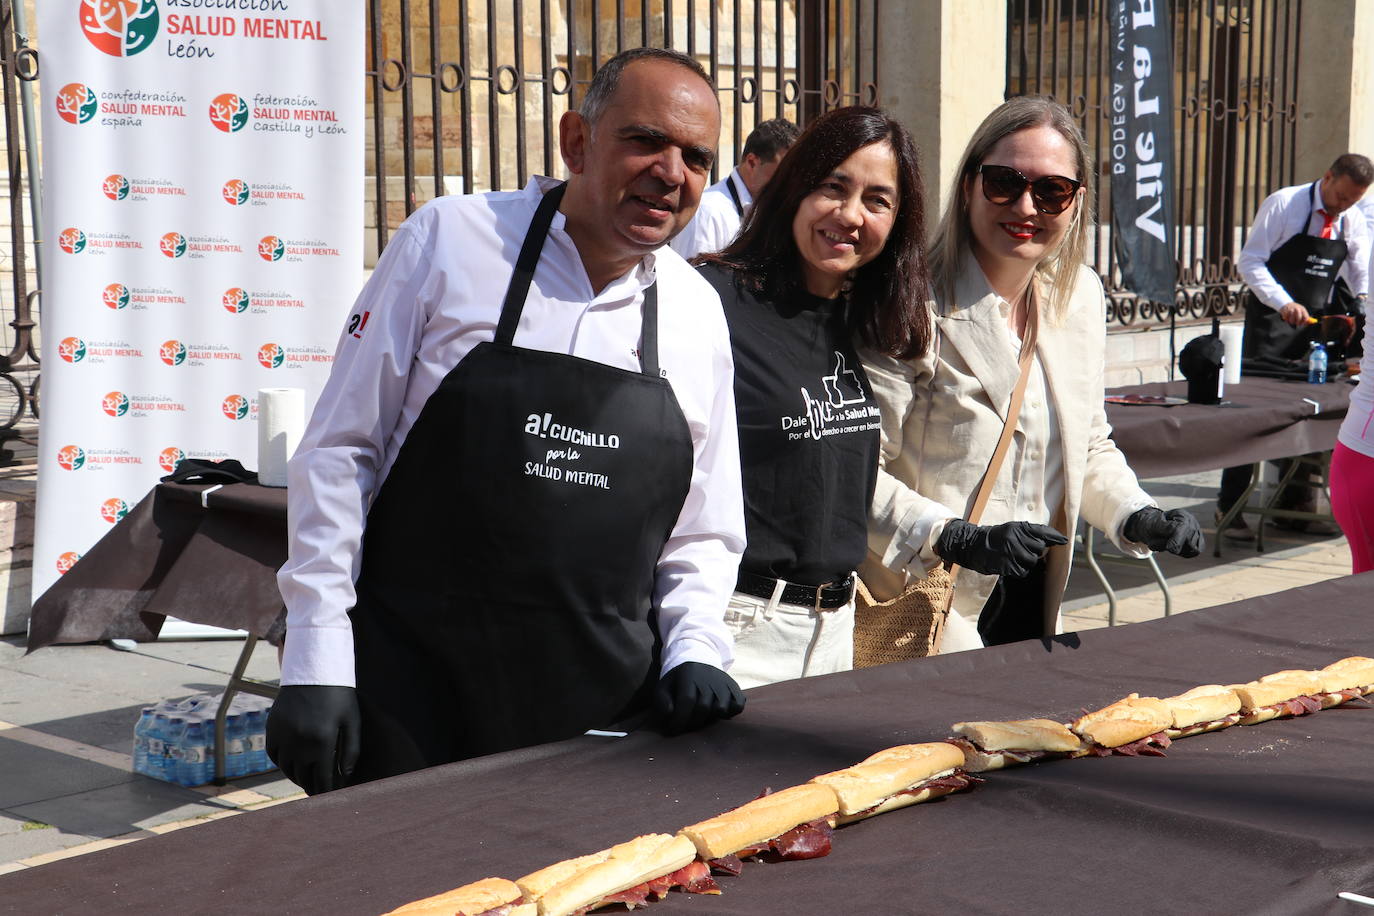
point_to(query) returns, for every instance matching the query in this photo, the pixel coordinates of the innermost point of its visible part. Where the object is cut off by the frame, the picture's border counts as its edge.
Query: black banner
(1142, 146)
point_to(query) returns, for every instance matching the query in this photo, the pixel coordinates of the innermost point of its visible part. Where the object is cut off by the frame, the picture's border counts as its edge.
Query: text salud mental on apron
(508, 564)
(1306, 266)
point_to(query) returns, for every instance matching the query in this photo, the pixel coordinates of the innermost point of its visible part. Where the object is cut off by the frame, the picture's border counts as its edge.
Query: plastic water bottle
(235, 745)
(142, 740)
(1316, 364)
(171, 754)
(195, 754)
(257, 742)
(157, 746)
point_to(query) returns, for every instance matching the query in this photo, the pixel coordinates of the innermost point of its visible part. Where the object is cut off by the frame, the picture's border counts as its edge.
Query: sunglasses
(1052, 194)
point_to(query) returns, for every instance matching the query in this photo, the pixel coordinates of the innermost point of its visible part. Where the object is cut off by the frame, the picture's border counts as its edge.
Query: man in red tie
(1301, 238)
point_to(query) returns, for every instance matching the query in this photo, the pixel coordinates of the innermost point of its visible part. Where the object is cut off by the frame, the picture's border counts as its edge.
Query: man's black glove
(1175, 531)
(694, 694)
(313, 734)
(1009, 549)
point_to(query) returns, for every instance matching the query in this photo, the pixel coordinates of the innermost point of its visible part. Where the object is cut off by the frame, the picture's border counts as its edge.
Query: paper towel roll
(1232, 337)
(281, 419)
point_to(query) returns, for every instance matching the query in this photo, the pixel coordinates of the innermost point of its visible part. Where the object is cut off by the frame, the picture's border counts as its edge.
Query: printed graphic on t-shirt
(841, 407)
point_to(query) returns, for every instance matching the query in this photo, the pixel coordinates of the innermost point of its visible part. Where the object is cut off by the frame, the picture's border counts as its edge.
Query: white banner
(202, 207)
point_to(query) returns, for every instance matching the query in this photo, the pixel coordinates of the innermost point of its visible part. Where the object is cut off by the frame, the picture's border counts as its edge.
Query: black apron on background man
(1306, 267)
(509, 560)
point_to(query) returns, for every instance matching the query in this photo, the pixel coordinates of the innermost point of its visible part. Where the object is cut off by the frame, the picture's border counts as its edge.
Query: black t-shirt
(808, 431)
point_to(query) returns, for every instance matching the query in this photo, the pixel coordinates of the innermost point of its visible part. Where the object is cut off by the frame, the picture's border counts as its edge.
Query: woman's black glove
(313, 734)
(1009, 549)
(694, 694)
(1175, 531)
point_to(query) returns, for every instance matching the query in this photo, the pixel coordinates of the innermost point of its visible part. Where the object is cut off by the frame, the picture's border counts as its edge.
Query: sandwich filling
(1149, 746)
(1296, 706)
(1198, 728)
(692, 878)
(804, 841)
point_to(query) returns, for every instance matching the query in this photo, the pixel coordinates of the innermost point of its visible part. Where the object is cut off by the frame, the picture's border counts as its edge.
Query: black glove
(313, 735)
(694, 694)
(1009, 549)
(1175, 531)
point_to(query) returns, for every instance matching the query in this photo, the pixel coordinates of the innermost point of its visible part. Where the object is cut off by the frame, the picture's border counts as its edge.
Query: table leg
(1089, 538)
(237, 684)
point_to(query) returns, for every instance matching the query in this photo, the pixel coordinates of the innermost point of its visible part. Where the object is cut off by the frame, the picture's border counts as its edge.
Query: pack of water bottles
(175, 740)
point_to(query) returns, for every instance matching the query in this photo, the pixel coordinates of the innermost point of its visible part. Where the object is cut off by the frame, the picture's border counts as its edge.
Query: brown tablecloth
(172, 556)
(1259, 419)
(1272, 819)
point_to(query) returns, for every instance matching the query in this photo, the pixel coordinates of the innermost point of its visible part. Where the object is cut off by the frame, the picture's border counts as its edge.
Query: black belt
(825, 597)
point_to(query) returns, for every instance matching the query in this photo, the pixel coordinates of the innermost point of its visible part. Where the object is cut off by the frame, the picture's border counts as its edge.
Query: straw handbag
(911, 624)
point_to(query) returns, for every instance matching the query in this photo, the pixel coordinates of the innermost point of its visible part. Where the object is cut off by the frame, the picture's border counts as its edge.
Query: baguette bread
(1128, 719)
(1348, 673)
(622, 867)
(479, 897)
(1264, 699)
(1204, 708)
(994, 745)
(883, 781)
(761, 820)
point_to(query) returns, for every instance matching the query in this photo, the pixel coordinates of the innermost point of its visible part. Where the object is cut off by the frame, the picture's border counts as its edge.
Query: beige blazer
(943, 413)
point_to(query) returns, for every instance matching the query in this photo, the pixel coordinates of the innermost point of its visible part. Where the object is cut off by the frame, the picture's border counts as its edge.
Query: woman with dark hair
(829, 257)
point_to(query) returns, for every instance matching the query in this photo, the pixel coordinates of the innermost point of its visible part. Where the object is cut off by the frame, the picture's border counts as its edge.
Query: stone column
(1335, 83)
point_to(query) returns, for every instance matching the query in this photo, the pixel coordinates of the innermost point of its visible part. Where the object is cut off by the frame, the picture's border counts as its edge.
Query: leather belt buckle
(847, 585)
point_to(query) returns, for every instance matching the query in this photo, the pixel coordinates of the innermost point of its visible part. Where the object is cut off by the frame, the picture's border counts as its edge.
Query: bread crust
(1355, 671)
(625, 866)
(537, 884)
(1129, 719)
(1277, 687)
(761, 819)
(888, 772)
(1020, 735)
(1202, 704)
(469, 900)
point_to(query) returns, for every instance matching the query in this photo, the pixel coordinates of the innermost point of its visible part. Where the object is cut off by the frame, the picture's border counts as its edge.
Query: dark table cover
(172, 556)
(1272, 819)
(1260, 419)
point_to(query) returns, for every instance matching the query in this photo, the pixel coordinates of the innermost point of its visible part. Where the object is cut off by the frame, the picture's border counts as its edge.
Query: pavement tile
(15, 847)
(140, 804)
(81, 850)
(34, 774)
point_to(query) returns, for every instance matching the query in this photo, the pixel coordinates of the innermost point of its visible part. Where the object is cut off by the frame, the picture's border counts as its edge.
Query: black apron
(1305, 266)
(506, 591)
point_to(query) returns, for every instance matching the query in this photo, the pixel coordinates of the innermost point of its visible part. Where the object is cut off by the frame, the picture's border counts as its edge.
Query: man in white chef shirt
(514, 519)
(725, 203)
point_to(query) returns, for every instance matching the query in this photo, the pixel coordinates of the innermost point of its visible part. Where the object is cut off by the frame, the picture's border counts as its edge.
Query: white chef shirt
(1281, 217)
(436, 293)
(716, 222)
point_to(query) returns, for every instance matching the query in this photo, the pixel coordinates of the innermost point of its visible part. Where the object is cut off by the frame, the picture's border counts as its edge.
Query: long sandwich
(488, 897)
(795, 823)
(1345, 680)
(1279, 695)
(994, 745)
(1133, 726)
(1202, 709)
(632, 873)
(895, 778)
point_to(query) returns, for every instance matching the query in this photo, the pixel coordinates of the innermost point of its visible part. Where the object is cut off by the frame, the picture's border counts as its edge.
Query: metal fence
(1235, 99)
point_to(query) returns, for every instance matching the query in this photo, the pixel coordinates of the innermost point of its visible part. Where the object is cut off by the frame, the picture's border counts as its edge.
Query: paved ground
(67, 713)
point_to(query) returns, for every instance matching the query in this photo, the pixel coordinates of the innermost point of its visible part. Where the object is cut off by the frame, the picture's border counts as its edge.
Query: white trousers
(961, 634)
(779, 642)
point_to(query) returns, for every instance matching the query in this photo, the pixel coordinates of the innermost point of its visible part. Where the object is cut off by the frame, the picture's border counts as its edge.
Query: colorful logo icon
(169, 458)
(271, 248)
(173, 244)
(115, 403)
(116, 296)
(235, 300)
(172, 352)
(235, 407)
(71, 457)
(271, 355)
(66, 561)
(76, 103)
(120, 28)
(116, 187)
(72, 240)
(114, 509)
(235, 192)
(71, 349)
(228, 112)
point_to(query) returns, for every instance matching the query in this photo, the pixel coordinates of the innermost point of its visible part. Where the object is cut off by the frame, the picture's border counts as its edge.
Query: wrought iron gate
(1235, 97)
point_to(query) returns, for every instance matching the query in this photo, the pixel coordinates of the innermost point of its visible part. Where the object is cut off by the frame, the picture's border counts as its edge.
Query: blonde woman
(1007, 261)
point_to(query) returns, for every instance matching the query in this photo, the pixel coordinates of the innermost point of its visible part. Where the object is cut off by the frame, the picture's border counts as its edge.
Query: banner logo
(271, 355)
(235, 300)
(120, 28)
(116, 187)
(173, 244)
(172, 352)
(116, 296)
(235, 192)
(76, 103)
(114, 509)
(228, 112)
(66, 561)
(235, 407)
(71, 457)
(115, 404)
(271, 248)
(72, 349)
(169, 458)
(72, 240)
